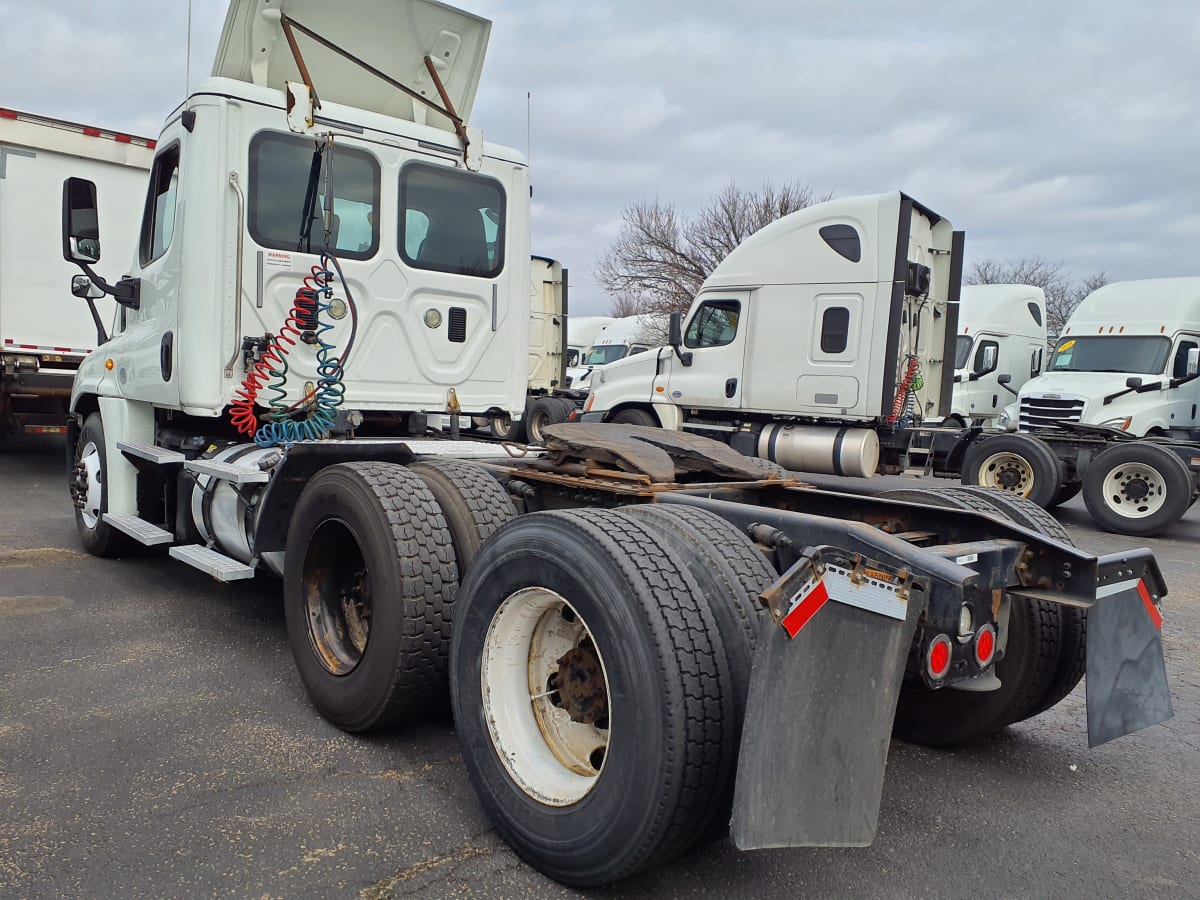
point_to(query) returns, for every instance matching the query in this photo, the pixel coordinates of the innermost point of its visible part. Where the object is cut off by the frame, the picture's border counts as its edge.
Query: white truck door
(1184, 407)
(715, 335)
(148, 367)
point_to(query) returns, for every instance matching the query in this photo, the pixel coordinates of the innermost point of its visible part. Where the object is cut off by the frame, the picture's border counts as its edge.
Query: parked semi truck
(643, 633)
(620, 338)
(581, 331)
(1114, 415)
(1001, 344)
(42, 337)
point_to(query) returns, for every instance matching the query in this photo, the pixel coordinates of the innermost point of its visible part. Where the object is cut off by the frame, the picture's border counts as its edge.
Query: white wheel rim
(551, 756)
(1007, 472)
(1134, 490)
(90, 460)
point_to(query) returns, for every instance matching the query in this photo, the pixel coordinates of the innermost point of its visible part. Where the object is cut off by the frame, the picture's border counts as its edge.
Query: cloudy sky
(1065, 129)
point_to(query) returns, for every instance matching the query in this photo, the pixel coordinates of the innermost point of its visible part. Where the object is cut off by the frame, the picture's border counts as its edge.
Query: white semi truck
(618, 339)
(42, 337)
(1001, 344)
(1115, 414)
(643, 633)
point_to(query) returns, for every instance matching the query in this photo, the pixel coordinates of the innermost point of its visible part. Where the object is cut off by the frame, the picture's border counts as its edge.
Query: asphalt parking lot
(155, 740)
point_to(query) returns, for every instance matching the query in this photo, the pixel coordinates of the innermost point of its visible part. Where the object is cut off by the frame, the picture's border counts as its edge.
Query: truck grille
(1040, 413)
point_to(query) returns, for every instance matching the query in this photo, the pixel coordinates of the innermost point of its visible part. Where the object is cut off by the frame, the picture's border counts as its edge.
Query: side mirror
(988, 363)
(1193, 361)
(1133, 382)
(1004, 378)
(85, 289)
(675, 330)
(80, 223)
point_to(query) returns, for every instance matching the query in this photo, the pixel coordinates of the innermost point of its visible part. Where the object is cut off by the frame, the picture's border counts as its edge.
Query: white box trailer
(44, 330)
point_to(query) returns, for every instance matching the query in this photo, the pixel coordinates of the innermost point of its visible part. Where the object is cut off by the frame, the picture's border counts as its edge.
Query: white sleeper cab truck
(1114, 415)
(818, 343)
(42, 336)
(581, 331)
(548, 401)
(593, 609)
(620, 338)
(1001, 344)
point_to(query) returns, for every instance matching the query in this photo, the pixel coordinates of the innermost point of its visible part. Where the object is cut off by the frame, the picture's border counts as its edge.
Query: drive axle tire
(1016, 463)
(369, 584)
(591, 695)
(1137, 488)
(89, 487)
(503, 428)
(543, 412)
(1072, 658)
(947, 717)
(474, 503)
(635, 416)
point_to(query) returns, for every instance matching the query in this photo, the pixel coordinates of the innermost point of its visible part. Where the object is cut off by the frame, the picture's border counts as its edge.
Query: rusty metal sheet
(654, 451)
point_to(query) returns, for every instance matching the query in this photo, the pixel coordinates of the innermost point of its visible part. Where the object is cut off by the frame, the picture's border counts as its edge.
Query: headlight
(1120, 424)
(1005, 419)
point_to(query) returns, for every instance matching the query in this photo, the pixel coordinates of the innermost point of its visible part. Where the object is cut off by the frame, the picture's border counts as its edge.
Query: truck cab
(1126, 359)
(619, 339)
(424, 239)
(818, 333)
(1001, 344)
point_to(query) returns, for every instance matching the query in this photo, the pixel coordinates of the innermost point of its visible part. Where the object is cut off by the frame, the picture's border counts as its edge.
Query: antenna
(187, 65)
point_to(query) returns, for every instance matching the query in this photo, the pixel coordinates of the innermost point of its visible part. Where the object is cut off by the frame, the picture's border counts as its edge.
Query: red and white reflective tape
(840, 585)
(89, 130)
(9, 342)
(1138, 584)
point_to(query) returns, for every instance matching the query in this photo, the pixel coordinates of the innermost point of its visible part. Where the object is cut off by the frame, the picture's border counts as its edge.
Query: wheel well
(645, 407)
(86, 404)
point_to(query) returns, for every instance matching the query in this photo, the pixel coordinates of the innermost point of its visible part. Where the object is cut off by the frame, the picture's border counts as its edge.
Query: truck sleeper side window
(714, 324)
(280, 170)
(158, 221)
(451, 221)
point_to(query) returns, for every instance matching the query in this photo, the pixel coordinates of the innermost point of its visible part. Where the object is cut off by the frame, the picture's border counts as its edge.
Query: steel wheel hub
(1135, 490)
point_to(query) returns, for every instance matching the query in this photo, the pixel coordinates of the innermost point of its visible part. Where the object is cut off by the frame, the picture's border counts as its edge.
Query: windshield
(1111, 354)
(962, 351)
(600, 356)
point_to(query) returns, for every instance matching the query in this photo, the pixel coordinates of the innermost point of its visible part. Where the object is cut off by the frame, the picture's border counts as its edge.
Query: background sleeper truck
(618, 683)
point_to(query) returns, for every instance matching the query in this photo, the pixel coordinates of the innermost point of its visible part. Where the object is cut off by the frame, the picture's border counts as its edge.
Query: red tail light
(937, 657)
(985, 645)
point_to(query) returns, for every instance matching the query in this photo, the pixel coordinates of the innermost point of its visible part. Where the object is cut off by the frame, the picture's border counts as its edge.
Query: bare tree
(661, 257)
(1063, 293)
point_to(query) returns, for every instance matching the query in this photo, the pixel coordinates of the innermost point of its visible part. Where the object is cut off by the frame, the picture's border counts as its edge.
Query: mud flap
(1126, 673)
(819, 715)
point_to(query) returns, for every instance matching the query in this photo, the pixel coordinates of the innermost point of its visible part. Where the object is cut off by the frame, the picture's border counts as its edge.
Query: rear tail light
(985, 646)
(938, 656)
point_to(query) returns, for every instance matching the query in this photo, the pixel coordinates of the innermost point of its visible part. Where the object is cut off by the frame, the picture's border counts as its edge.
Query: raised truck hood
(393, 36)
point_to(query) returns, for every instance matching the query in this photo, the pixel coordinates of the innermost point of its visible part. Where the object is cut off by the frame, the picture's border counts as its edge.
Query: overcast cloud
(1069, 130)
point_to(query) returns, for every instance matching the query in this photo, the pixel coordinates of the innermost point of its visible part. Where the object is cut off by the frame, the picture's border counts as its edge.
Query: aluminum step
(230, 472)
(157, 455)
(210, 562)
(139, 529)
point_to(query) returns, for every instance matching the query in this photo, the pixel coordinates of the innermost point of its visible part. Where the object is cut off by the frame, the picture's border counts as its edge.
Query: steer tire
(379, 519)
(474, 503)
(948, 717)
(672, 751)
(98, 537)
(1072, 660)
(1107, 493)
(634, 416)
(990, 462)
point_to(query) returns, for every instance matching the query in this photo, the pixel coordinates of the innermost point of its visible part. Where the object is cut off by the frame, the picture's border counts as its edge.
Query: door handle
(166, 355)
(730, 387)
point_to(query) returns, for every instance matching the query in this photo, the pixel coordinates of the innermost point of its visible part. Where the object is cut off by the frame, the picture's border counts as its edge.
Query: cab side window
(451, 221)
(158, 221)
(714, 324)
(981, 366)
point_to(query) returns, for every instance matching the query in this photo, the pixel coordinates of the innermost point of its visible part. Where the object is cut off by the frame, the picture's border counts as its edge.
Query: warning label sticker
(277, 259)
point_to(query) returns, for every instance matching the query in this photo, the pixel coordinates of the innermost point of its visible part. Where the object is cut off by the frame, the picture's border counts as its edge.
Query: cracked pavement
(155, 740)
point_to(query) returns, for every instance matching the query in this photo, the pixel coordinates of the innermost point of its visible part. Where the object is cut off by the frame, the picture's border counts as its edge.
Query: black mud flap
(819, 716)
(1126, 673)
